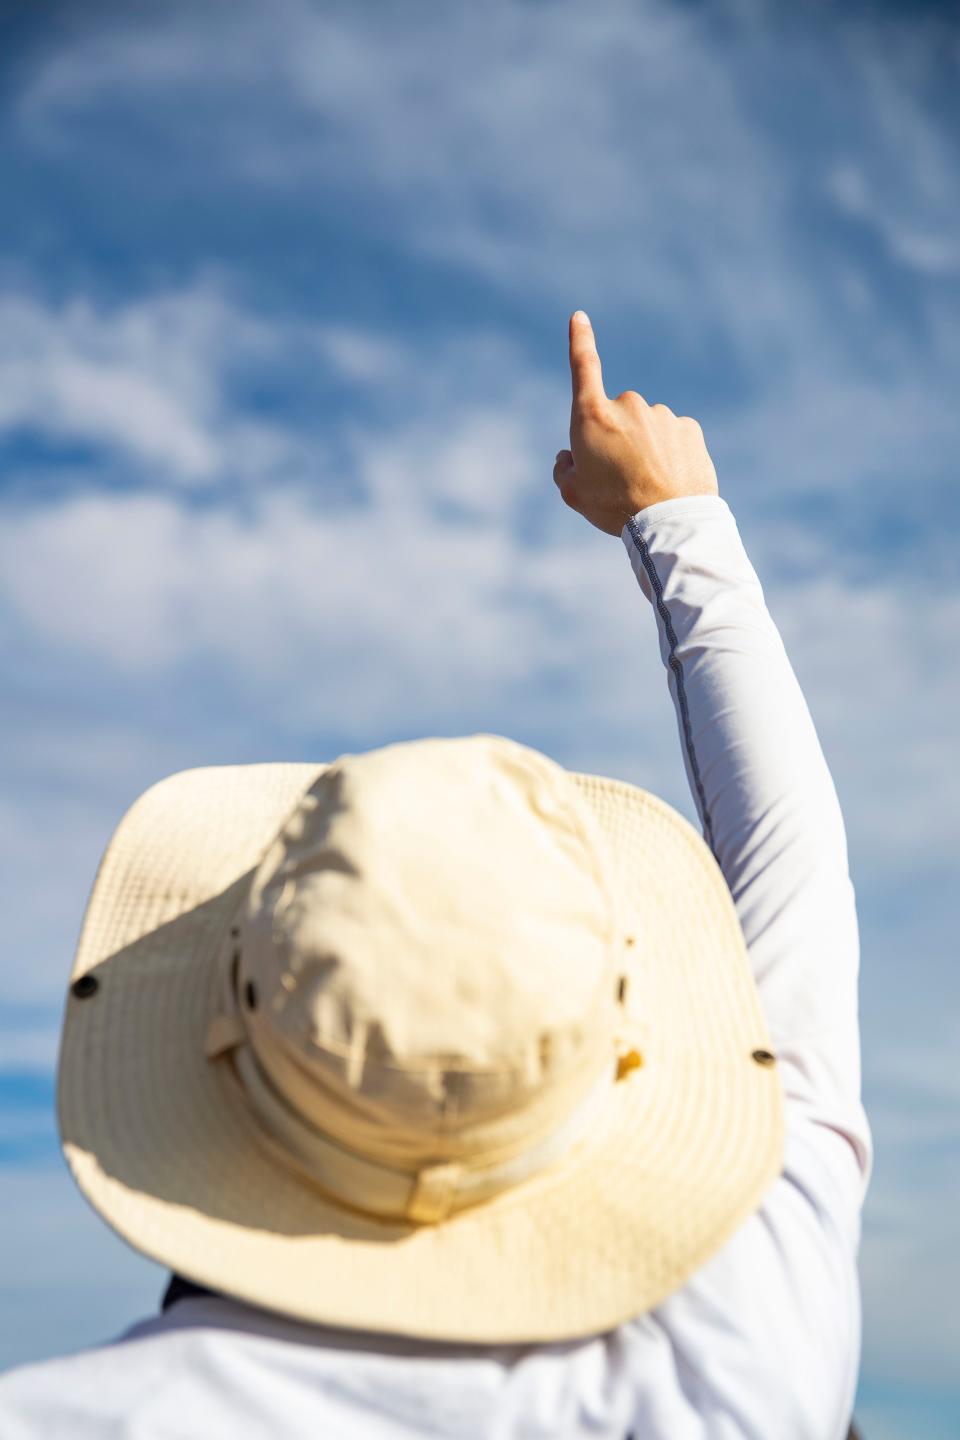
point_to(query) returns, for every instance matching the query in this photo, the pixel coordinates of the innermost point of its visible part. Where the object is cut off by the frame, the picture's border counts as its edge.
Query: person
(464, 1095)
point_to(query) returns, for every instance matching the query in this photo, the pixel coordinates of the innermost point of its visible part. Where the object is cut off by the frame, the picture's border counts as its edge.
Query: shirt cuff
(680, 507)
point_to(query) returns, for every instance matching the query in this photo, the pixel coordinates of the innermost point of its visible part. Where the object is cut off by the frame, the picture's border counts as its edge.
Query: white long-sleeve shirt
(763, 1342)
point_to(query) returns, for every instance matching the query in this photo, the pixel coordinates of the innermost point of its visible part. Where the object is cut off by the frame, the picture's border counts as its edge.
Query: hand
(624, 454)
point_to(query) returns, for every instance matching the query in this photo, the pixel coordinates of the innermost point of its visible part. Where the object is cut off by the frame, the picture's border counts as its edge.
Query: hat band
(426, 1194)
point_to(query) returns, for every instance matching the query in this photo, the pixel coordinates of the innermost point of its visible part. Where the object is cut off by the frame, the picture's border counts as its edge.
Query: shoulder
(766, 1335)
(82, 1394)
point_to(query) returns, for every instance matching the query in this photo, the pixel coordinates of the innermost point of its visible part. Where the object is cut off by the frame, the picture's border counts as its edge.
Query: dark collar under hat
(181, 1289)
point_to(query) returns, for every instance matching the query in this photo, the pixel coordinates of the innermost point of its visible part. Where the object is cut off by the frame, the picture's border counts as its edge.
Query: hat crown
(431, 936)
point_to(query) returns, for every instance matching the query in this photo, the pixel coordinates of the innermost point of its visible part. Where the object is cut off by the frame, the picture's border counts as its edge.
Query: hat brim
(163, 1146)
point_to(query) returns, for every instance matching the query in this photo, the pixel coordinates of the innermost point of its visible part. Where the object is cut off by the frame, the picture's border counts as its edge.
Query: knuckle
(594, 411)
(630, 397)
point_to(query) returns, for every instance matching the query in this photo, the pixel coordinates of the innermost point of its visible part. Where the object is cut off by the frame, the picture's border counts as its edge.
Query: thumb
(585, 371)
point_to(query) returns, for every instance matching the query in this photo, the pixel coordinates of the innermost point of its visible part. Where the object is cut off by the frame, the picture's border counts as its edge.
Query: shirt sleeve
(768, 810)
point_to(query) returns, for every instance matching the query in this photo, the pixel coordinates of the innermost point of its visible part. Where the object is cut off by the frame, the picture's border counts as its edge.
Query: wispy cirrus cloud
(431, 571)
(151, 383)
(624, 149)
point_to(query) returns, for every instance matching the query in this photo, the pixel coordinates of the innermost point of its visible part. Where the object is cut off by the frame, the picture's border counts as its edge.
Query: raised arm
(758, 777)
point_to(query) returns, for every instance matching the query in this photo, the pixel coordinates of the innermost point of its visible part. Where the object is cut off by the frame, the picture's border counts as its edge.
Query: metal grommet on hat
(86, 986)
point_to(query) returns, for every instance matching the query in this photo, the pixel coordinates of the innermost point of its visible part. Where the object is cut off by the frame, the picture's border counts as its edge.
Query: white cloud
(31, 1048)
(82, 376)
(885, 704)
(484, 459)
(909, 191)
(151, 380)
(145, 380)
(360, 355)
(611, 157)
(417, 616)
(412, 613)
(815, 437)
(549, 159)
(911, 230)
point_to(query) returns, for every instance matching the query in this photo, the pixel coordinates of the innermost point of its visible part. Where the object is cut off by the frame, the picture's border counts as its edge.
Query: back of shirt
(764, 1340)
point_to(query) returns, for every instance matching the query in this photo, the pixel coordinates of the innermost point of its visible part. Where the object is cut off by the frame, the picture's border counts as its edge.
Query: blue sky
(283, 312)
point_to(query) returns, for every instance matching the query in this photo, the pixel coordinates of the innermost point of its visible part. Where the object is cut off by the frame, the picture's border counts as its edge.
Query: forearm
(764, 793)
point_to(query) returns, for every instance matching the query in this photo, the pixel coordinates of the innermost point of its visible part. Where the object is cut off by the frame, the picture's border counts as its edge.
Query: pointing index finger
(585, 370)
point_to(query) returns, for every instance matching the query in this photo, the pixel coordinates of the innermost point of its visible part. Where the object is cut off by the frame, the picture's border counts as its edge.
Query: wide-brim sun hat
(440, 1039)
